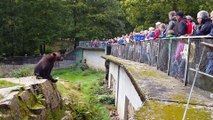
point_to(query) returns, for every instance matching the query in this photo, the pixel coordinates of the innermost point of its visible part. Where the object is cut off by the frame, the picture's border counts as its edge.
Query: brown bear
(44, 66)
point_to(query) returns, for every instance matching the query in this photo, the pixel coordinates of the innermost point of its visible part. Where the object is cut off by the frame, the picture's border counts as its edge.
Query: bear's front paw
(54, 80)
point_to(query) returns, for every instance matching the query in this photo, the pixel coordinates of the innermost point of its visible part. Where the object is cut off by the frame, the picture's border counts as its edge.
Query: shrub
(106, 99)
(23, 72)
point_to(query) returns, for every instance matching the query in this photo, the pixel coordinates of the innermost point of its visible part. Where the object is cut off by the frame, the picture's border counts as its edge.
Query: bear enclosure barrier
(177, 56)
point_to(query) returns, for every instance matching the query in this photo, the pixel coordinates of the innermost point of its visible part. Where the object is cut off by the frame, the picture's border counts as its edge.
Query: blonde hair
(172, 13)
(151, 28)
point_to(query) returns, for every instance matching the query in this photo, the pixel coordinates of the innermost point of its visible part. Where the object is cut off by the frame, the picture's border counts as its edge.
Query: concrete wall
(93, 58)
(125, 94)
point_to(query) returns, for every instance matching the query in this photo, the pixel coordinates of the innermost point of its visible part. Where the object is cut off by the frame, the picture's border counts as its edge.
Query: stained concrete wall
(125, 91)
(93, 58)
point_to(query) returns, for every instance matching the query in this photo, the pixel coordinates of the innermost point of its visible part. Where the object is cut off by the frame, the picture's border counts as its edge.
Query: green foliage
(145, 13)
(22, 72)
(27, 26)
(107, 99)
(5, 84)
(40, 98)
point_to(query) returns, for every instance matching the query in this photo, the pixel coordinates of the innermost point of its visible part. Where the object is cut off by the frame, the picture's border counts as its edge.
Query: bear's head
(57, 56)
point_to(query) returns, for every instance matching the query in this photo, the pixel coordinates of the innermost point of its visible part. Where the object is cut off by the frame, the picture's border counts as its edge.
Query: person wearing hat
(182, 27)
(204, 22)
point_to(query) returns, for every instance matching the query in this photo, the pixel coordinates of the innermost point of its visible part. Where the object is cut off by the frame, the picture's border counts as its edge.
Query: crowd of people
(178, 25)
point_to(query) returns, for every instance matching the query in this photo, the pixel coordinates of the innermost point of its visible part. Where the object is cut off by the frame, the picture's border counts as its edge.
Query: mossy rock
(155, 110)
(5, 84)
(37, 108)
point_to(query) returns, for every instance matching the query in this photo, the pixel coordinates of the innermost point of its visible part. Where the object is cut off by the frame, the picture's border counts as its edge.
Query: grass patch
(87, 80)
(5, 84)
(83, 88)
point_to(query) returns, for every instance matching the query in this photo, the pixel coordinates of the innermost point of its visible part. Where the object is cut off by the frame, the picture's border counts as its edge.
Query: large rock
(32, 100)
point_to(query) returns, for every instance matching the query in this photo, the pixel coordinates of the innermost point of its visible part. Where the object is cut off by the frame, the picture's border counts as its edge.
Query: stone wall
(31, 99)
(127, 100)
(93, 58)
(6, 68)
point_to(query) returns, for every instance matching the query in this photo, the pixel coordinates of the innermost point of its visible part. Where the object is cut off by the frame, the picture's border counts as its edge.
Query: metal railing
(176, 56)
(92, 44)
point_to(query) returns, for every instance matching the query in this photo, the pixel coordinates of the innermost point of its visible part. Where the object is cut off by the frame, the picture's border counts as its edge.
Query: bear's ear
(54, 54)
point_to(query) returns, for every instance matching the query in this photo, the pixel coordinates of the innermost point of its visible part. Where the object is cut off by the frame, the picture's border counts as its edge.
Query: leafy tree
(27, 26)
(144, 13)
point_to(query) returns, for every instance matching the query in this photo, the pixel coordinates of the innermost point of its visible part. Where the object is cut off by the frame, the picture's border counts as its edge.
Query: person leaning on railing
(182, 24)
(204, 22)
(172, 25)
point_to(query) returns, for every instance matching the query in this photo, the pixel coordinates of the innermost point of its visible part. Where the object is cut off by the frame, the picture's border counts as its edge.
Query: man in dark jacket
(182, 27)
(204, 22)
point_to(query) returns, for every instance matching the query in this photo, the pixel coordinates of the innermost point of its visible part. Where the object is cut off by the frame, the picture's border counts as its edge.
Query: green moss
(56, 114)
(24, 111)
(181, 98)
(31, 101)
(153, 74)
(5, 84)
(38, 106)
(166, 111)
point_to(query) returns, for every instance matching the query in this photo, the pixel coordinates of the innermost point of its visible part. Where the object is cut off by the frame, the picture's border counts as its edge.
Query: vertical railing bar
(169, 55)
(187, 63)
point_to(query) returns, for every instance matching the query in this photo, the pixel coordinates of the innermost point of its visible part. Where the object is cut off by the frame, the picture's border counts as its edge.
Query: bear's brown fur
(44, 66)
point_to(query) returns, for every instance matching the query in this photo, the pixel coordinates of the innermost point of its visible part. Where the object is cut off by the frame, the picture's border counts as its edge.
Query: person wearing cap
(182, 27)
(204, 22)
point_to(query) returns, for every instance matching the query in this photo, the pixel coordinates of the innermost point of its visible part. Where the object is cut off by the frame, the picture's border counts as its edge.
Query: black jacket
(182, 27)
(204, 28)
(211, 33)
